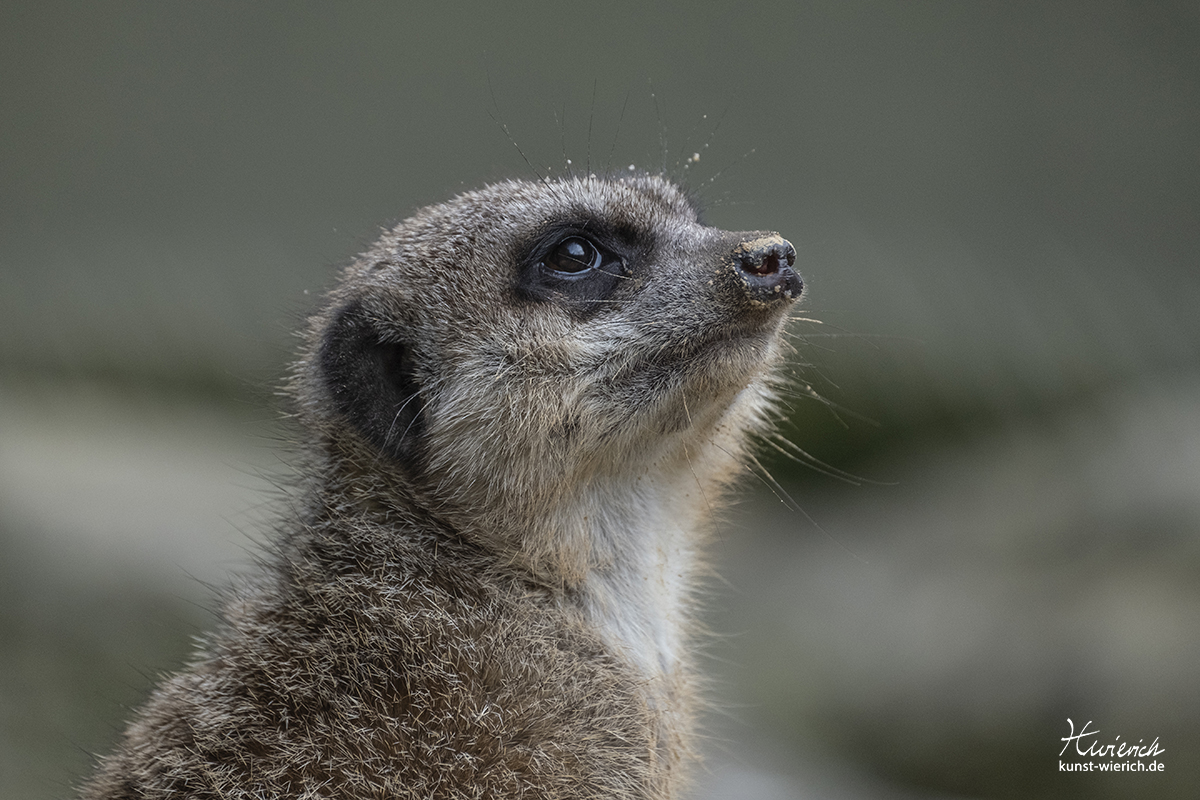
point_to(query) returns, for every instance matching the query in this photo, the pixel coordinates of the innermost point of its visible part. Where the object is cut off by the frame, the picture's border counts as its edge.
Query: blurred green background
(997, 212)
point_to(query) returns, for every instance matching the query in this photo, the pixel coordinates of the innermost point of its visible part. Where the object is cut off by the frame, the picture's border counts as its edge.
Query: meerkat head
(492, 355)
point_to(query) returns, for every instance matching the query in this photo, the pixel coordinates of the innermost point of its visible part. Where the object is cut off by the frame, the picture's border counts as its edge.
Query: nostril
(768, 260)
(767, 265)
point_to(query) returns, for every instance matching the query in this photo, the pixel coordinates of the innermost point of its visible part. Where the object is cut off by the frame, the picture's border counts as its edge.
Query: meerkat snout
(520, 409)
(766, 264)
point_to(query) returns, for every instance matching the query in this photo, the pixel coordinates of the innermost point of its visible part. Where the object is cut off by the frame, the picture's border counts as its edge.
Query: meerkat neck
(645, 552)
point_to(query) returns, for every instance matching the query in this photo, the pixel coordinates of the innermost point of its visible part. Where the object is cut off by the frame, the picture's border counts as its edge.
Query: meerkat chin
(520, 408)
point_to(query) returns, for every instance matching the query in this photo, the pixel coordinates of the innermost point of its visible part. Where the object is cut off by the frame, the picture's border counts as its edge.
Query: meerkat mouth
(748, 345)
(714, 366)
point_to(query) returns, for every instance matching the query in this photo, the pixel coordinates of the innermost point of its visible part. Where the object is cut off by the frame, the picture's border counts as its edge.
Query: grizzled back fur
(523, 404)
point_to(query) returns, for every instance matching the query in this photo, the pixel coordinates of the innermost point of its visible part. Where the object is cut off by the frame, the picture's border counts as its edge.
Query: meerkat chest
(638, 590)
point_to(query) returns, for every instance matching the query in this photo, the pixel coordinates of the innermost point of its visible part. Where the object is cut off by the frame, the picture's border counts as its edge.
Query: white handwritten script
(1117, 749)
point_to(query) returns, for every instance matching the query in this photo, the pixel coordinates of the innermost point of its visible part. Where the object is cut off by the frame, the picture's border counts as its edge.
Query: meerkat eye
(574, 255)
(570, 268)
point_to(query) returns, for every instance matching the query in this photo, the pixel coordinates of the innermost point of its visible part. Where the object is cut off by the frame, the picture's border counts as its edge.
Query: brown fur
(485, 587)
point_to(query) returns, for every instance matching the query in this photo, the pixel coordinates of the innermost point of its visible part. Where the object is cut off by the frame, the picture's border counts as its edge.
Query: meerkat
(522, 407)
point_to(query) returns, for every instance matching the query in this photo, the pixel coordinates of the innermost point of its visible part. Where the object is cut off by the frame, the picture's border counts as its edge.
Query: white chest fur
(646, 539)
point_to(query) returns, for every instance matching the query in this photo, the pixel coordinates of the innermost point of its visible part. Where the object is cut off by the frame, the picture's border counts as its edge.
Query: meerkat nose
(766, 265)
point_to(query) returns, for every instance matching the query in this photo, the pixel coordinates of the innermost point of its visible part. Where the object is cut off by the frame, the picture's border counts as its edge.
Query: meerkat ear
(373, 384)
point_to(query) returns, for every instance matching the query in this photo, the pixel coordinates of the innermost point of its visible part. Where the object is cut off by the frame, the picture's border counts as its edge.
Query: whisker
(562, 136)
(801, 456)
(495, 118)
(731, 164)
(591, 118)
(781, 493)
(617, 135)
(662, 129)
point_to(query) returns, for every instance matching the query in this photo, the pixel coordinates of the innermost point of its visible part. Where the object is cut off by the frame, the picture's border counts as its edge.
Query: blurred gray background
(997, 211)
